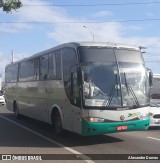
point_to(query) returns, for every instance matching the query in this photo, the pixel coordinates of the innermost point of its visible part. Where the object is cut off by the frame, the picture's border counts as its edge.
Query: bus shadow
(154, 128)
(71, 139)
(43, 130)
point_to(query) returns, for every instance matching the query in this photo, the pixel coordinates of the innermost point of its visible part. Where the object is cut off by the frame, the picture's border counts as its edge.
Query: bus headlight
(93, 119)
(144, 116)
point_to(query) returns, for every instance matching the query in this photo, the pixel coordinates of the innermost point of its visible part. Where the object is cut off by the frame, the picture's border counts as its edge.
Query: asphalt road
(27, 136)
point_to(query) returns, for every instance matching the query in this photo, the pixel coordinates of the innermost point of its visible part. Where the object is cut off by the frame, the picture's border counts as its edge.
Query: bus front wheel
(57, 123)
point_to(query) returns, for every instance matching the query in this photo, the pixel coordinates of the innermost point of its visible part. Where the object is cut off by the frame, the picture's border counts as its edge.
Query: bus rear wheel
(57, 123)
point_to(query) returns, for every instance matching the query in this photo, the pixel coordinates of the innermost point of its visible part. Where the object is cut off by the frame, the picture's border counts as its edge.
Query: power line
(79, 22)
(92, 5)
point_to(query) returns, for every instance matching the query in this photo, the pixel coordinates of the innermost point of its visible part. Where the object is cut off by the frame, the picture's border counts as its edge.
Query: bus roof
(100, 44)
(78, 44)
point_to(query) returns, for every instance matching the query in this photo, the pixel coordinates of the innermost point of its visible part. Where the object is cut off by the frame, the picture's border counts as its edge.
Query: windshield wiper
(128, 87)
(114, 87)
(111, 95)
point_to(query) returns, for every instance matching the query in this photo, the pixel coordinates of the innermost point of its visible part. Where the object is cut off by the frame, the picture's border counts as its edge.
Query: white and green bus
(50, 86)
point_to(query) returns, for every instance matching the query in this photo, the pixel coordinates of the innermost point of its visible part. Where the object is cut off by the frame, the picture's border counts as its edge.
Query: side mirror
(150, 77)
(80, 76)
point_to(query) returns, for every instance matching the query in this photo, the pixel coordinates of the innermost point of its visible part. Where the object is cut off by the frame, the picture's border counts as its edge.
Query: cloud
(19, 56)
(14, 28)
(150, 14)
(40, 11)
(104, 13)
(3, 63)
(77, 32)
(66, 32)
(33, 15)
(152, 43)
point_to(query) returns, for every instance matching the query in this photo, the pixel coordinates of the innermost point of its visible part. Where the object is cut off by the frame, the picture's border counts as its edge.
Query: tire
(58, 130)
(17, 115)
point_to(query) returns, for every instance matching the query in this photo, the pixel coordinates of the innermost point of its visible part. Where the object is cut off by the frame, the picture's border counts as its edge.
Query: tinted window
(36, 69)
(129, 56)
(26, 70)
(98, 54)
(30, 69)
(44, 67)
(69, 61)
(22, 71)
(11, 73)
(58, 64)
(52, 66)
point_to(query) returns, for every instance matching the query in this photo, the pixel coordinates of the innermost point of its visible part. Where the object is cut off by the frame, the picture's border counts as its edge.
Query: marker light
(143, 116)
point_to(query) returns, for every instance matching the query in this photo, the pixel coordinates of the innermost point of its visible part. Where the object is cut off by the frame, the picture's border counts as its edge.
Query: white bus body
(48, 86)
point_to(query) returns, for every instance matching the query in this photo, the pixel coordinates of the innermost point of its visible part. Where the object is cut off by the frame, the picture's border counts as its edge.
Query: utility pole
(12, 56)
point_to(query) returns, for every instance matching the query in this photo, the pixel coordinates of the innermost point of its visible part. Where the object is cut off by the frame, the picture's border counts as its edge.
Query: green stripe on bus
(93, 128)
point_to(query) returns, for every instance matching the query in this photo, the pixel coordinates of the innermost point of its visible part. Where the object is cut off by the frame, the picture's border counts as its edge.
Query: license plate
(119, 128)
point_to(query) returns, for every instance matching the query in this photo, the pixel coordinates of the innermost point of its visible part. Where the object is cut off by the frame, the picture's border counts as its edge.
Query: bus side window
(36, 69)
(52, 66)
(58, 64)
(11, 73)
(30, 70)
(44, 67)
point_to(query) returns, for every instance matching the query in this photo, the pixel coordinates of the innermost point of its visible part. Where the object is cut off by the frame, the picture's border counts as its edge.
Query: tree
(9, 5)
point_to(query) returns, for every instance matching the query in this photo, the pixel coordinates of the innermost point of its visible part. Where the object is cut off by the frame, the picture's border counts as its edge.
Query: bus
(155, 90)
(50, 87)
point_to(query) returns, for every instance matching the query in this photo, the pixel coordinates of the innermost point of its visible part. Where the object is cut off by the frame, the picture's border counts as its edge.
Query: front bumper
(94, 128)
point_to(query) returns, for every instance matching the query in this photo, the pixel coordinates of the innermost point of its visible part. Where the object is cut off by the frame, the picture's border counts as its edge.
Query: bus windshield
(115, 84)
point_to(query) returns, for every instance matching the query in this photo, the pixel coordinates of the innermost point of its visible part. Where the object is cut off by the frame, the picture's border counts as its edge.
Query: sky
(42, 24)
